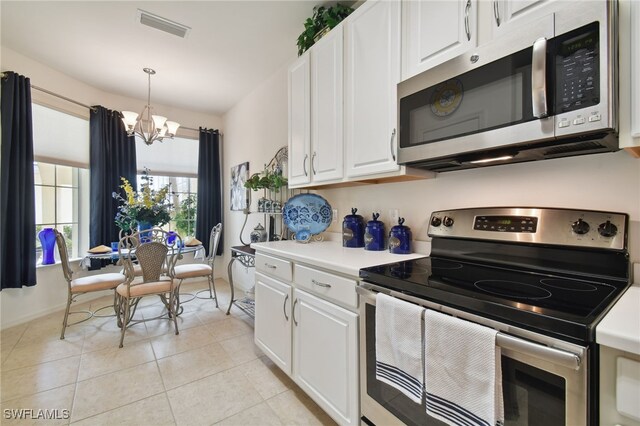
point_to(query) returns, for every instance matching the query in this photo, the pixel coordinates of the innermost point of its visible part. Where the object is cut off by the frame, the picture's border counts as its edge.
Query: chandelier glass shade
(149, 127)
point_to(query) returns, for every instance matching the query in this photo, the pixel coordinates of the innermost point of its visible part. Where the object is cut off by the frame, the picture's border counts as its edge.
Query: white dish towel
(463, 372)
(399, 345)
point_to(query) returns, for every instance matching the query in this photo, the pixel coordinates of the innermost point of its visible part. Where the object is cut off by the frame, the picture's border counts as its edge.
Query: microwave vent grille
(575, 148)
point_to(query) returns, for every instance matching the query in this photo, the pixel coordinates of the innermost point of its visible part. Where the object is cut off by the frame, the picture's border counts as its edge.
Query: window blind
(60, 138)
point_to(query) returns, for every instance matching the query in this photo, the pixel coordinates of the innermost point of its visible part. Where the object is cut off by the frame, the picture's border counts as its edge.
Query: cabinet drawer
(329, 286)
(273, 266)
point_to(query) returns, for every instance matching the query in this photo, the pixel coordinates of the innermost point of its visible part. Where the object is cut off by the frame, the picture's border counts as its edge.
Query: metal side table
(246, 256)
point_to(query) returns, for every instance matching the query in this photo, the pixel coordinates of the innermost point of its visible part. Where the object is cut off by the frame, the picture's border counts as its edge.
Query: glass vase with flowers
(142, 209)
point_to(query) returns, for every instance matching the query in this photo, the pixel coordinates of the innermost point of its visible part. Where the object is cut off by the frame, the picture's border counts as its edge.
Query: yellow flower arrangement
(147, 205)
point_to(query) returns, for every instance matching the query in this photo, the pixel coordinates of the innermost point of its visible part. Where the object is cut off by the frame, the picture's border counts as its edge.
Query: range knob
(580, 227)
(607, 229)
(447, 221)
(436, 221)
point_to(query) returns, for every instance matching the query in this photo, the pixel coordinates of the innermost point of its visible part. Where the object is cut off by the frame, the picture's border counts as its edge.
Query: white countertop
(331, 255)
(620, 328)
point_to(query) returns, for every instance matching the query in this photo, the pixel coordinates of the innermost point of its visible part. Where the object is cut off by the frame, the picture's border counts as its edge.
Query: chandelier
(149, 128)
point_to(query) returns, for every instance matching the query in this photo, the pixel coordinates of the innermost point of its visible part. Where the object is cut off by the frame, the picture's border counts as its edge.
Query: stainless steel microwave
(544, 91)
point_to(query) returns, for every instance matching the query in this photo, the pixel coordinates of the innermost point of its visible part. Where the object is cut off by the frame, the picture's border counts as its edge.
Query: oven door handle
(561, 357)
(556, 356)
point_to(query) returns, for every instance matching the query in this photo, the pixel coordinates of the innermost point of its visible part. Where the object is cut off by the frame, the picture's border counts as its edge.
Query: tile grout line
(119, 407)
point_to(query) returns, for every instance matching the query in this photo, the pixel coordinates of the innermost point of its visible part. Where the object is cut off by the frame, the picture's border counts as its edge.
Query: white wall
(50, 294)
(254, 130)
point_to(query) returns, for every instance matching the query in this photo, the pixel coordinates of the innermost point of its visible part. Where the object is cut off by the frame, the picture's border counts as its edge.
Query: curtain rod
(49, 92)
(3, 75)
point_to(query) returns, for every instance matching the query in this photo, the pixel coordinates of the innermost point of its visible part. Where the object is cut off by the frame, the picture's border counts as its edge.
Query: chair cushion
(153, 287)
(96, 282)
(192, 270)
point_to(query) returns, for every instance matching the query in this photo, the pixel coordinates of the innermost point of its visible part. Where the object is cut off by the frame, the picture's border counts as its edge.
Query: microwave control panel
(577, 69)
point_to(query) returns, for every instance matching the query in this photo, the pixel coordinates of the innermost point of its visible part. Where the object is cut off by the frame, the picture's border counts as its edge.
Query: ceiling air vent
(162, 24)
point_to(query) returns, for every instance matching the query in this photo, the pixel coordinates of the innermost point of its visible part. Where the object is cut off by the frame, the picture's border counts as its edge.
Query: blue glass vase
(143, 226)
(171, 237)
(48, 240)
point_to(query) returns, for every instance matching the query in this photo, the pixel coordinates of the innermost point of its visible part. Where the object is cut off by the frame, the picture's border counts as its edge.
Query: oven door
(544, 379)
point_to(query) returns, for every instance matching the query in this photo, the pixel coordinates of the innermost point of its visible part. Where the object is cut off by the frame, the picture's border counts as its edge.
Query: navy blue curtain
(112, 155)
(209, 208)
(17, 194)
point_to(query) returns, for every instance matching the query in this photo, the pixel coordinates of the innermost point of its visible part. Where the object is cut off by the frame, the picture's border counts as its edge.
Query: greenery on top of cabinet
(321, 22)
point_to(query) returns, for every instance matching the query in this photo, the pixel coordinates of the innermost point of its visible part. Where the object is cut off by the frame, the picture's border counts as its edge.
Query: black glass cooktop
(554, 304)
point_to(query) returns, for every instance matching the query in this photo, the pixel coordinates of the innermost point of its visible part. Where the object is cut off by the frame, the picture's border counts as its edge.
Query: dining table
(112, 257)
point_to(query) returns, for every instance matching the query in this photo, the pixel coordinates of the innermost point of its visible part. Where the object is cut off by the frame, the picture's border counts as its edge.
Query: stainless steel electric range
(543, 277)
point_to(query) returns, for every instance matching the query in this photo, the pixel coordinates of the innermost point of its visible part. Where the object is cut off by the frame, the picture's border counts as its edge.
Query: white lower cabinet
(325, 355)
(307, 335)
(272, 321)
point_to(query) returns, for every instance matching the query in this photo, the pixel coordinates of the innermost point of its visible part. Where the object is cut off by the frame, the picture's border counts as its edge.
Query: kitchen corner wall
(254, 130)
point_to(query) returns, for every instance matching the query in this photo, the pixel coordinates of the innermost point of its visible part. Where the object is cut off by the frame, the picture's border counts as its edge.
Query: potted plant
(320, 23)
(267, 179)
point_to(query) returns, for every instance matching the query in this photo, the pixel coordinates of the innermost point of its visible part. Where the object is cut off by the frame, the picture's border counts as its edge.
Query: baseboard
(50, 310)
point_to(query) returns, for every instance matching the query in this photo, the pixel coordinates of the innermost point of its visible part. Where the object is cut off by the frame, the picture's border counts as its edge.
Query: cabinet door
(326, 356)
(372, 58)
(435, 31)
(272, 332)
(299, 121)
(509, 14)
(326, 107)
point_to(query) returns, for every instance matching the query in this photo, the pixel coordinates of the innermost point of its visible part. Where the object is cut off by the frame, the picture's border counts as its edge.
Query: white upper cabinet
(327, 107)
(372, 71)
(507, 15)
(435, 31)
(299, 121)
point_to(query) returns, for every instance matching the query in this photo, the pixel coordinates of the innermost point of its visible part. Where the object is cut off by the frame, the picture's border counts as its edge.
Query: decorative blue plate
(307, 215)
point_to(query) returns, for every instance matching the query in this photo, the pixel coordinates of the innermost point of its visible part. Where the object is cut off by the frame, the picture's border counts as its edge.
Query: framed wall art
(239, 194)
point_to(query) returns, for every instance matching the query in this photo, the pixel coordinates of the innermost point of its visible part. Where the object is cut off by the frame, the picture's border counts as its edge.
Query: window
(57, 206)
(183, 196)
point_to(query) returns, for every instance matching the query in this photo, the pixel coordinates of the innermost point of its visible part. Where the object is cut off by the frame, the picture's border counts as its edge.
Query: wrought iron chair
(83, 285)
(203, 270)
(157, 258)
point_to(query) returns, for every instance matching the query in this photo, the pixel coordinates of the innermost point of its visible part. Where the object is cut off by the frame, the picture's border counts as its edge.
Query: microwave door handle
(539, 78)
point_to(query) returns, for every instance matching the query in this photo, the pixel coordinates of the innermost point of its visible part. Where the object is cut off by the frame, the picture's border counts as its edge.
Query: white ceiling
(232, 47)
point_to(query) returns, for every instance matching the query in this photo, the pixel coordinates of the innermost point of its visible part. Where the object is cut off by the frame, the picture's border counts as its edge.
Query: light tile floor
(211, 373)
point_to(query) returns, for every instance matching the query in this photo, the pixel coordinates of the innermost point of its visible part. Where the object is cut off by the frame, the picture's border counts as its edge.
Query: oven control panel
(506, 223)
(580, 228)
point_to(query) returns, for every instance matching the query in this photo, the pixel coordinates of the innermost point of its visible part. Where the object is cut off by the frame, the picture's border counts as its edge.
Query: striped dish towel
(463, 372)
(399, 345)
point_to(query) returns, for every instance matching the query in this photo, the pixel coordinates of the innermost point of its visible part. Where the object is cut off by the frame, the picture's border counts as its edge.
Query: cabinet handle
(293, 312)
(304, 164)
(393, 153)
(466, 20)
(270, 266)
(313, 164)
(496, 12)
(284, 307)
(319, 284)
